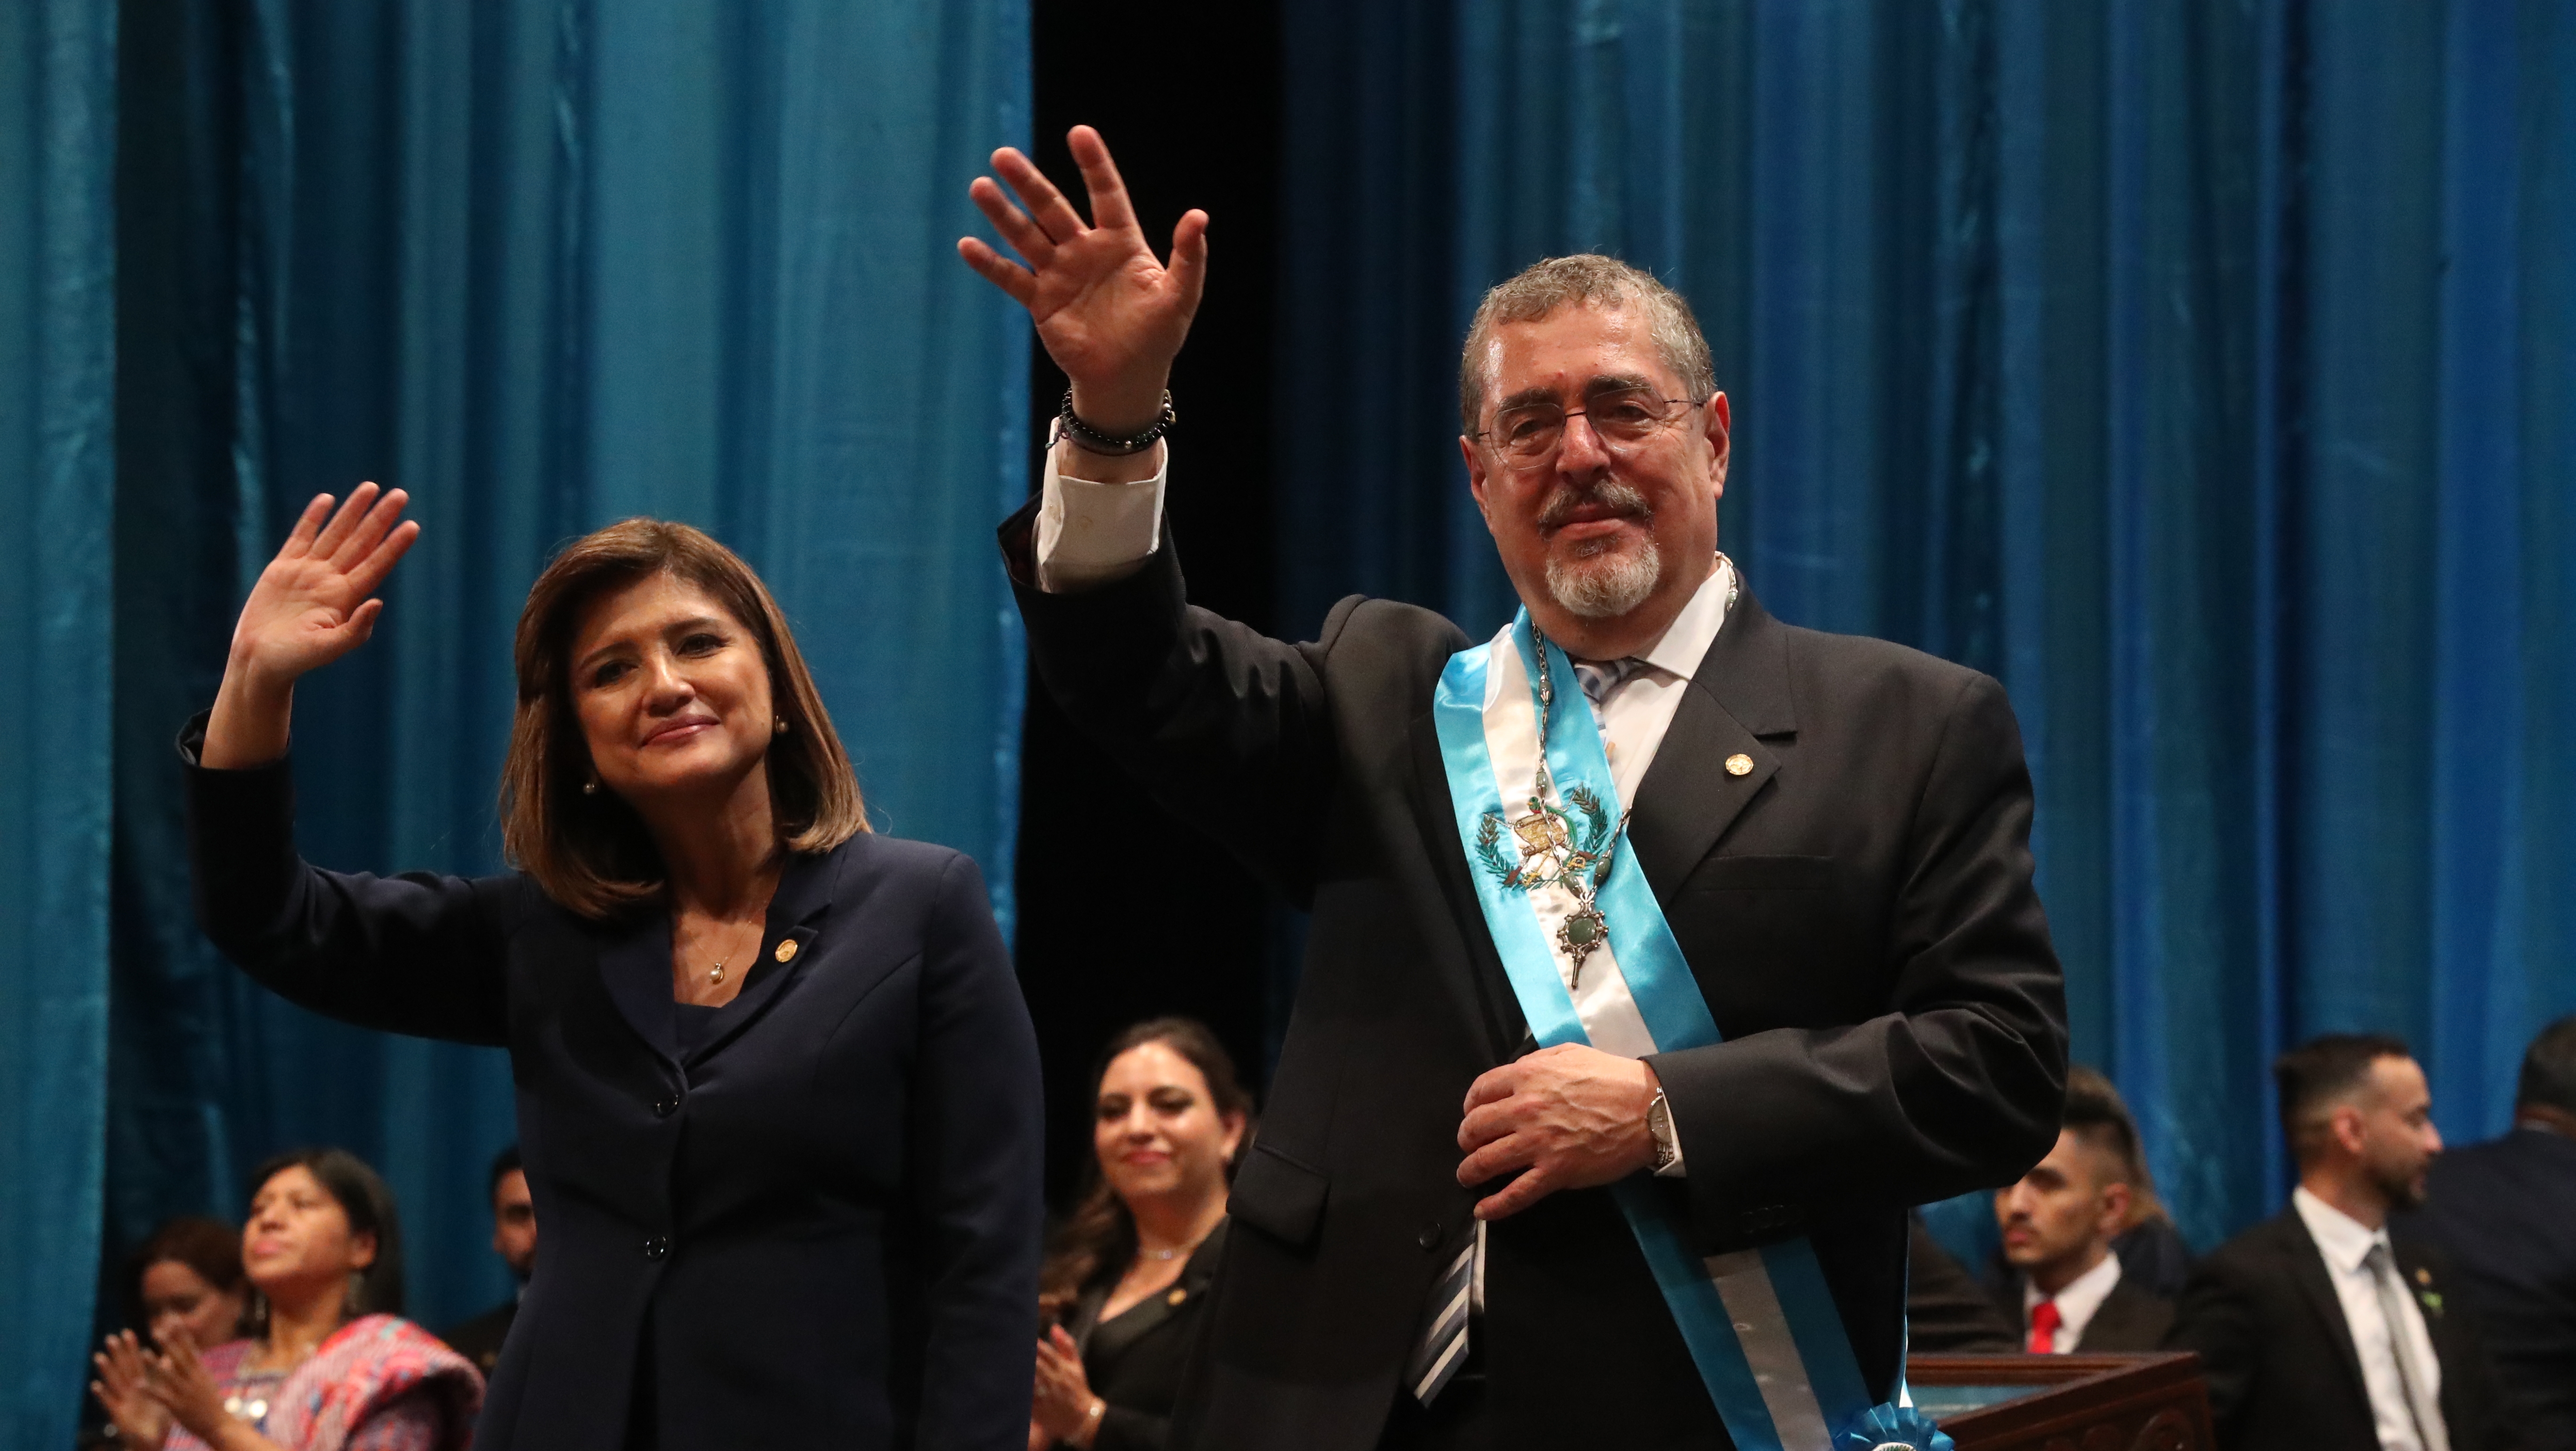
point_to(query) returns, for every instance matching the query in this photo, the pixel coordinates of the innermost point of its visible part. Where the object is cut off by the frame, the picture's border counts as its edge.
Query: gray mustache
(1622, 497)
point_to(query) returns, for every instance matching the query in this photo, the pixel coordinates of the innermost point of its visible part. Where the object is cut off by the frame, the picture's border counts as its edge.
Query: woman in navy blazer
(777, 1091)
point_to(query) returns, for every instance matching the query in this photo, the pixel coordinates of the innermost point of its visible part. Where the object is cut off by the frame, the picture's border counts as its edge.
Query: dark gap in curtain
(1125, 914)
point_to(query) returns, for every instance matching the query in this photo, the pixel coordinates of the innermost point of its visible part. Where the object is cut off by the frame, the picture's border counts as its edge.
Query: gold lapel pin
(787, 950)
(1176, 1297)
(1739, 764)
(2423, 1277)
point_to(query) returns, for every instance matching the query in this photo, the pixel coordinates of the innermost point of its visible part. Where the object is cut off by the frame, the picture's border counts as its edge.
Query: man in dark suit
(514, 1239)
(2068, 1290)
(1835, 830)
(2315, 1328)
(2505, 1213)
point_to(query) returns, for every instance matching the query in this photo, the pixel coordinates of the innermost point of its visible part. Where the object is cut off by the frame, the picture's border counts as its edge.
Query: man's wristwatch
(1659, 1124)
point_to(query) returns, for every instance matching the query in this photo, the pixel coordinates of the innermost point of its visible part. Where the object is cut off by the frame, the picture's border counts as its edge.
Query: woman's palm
(314, 602)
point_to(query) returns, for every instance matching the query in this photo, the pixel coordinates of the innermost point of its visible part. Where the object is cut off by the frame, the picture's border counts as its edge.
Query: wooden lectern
(2065, 1402)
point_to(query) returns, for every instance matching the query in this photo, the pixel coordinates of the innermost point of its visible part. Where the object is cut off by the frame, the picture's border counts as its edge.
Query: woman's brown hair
(209, 1247)
(590, 852)
(1100, 1234)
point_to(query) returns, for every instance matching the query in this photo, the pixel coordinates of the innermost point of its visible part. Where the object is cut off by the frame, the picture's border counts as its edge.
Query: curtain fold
(2200, 369)
(545, 266)
(57, 629)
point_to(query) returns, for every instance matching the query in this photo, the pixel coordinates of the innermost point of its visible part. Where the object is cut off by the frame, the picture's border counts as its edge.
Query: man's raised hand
(1110, 315)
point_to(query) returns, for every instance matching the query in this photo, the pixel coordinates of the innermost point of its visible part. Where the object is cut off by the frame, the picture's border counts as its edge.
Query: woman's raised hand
(1110, 315)
(313, 604)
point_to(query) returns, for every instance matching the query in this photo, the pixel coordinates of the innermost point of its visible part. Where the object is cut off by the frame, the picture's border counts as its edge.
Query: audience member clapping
(329, 1365)
(188, 1277)
(1124, 1283)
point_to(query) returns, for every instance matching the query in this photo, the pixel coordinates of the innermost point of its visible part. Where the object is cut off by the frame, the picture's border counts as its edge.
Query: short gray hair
(1586, 277)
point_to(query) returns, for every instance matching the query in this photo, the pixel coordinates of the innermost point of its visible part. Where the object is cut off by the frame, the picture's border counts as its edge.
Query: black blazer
(2131, 1319)
(1135, 1361)
(2504, 1212)
(818, 1227)
(1858, 909)
(2262, 1314)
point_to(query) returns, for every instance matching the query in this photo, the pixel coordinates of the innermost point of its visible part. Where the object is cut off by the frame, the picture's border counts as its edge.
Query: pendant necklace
(1586, 929)
(715, 974)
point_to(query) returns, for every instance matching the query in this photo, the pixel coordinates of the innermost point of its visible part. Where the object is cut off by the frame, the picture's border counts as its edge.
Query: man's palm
(1103, 305)
(1110, 315)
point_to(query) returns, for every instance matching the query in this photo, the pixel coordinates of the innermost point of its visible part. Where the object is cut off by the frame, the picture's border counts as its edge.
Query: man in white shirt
(2315, 1328)
(2058, 1223)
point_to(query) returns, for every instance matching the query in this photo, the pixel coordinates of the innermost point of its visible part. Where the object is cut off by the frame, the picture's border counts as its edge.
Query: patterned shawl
(365, 1366)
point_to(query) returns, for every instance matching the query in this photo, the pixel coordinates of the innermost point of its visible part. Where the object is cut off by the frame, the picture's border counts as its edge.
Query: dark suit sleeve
(1124, 1429)
(1958, 1084)
(1227, 727)
(419, 953)
(2217, 1320)
(978, 1147)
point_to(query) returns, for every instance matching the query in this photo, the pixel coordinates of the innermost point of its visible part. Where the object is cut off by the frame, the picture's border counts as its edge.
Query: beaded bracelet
(1092, 440)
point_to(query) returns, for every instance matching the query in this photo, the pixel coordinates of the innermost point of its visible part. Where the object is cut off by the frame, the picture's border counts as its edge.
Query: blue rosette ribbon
(1893, 1425)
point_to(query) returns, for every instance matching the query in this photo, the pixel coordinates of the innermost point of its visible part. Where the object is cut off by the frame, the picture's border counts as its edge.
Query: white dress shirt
(2345, 1244)
(2076, 1304)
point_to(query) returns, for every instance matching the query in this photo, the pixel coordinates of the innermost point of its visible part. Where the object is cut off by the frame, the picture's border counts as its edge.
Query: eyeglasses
(1529, 433)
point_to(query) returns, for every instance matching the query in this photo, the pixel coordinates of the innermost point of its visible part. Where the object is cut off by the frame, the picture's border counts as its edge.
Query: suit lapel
(1689, 798)
(2308, 1272)
(2415, 1272)
(636, 969)
(796, 913)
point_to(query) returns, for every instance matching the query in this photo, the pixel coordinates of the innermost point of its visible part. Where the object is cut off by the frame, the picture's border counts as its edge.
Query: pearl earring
(590, 787)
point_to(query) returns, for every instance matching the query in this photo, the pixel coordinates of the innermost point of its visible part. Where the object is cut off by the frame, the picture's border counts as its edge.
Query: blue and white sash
(1760, 1324)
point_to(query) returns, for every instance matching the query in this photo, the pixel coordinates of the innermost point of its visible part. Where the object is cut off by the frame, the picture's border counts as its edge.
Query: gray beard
(1605, 586)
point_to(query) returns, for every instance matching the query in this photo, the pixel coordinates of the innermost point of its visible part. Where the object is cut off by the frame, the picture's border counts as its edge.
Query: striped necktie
(1443, 1346)
(1600, 678)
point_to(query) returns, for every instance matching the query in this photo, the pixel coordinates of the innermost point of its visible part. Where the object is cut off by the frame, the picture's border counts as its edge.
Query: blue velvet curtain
(2205, 369)
(57, 457)
(544, 265)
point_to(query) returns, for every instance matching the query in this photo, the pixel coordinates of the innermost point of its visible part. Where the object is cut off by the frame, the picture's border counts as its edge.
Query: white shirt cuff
(1092, 534)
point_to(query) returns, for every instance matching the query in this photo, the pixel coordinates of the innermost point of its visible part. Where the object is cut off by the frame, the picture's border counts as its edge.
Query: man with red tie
(2058, 1223)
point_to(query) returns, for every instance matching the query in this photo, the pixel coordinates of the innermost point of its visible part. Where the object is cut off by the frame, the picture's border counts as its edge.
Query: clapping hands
(145, 1391)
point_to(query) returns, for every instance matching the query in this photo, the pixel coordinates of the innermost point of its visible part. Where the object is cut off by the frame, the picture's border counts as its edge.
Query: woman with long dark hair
(1124, 1279)
(778, 1098)
(329, 1363)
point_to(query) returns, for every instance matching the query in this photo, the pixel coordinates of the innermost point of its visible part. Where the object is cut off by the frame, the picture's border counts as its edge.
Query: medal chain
(1588, 887)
